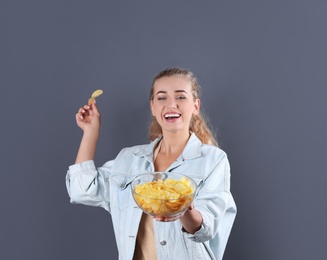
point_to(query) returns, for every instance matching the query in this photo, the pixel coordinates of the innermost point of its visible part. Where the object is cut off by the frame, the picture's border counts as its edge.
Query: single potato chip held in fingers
(94, 95)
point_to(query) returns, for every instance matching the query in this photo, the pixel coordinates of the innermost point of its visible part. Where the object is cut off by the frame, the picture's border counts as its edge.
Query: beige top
(145, 247)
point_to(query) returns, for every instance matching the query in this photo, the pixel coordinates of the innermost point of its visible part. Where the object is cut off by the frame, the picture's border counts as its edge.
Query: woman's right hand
(88, 118)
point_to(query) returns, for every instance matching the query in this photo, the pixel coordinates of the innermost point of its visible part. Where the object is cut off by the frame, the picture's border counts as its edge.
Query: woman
(181, 142)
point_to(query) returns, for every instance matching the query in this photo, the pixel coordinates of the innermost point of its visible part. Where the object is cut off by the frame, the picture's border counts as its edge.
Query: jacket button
(163, 242)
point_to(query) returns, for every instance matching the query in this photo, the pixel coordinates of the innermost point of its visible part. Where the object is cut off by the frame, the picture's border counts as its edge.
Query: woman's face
(173, 104)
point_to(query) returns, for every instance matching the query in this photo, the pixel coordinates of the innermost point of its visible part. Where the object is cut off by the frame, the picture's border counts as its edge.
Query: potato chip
(164, 197)
(94, 95)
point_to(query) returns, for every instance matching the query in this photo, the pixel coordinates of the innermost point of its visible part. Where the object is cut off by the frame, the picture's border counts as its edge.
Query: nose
(172, 105)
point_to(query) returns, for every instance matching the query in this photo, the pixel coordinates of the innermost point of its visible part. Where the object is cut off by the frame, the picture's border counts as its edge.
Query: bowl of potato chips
(163, 194)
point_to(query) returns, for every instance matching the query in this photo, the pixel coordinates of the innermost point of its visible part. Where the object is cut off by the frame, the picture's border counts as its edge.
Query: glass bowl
(163, 194)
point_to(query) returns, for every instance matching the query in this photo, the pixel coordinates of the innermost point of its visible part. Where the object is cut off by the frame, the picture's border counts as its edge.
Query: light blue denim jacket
(109, 187)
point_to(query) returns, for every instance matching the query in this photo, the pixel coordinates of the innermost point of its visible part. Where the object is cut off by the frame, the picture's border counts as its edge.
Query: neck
(173, 143)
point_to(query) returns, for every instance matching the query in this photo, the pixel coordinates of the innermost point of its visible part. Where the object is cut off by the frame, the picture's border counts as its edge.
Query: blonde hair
(199, 124)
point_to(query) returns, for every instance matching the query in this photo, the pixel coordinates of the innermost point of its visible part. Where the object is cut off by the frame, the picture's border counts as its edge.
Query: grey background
(262, 67)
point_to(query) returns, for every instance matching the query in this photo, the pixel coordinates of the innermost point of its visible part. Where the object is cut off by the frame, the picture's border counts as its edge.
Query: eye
(161, 98)
(180, 97)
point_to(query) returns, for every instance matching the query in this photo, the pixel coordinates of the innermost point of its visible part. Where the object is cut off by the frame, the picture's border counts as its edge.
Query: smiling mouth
(172, 116)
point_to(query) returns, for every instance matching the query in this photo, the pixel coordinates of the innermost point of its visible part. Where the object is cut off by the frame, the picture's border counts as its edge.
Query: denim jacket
(109, 187)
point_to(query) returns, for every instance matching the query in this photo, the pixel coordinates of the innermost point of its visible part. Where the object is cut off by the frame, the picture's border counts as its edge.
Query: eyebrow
(165, 92)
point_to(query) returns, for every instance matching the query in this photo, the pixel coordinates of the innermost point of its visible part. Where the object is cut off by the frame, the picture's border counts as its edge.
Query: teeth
(171, 115)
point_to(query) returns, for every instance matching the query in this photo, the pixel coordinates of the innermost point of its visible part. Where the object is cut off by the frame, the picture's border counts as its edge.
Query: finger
(82, 111)
(95, 107)
(191, 207)
(159, 218)
(86, 107)
(79, 116)
(94, 110)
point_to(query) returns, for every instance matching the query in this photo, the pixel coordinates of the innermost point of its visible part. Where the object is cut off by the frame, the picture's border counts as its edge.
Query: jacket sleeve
(89, 186)
(216, 205)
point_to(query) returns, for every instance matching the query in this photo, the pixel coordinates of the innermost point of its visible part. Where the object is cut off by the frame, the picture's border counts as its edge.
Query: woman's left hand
(169, 219)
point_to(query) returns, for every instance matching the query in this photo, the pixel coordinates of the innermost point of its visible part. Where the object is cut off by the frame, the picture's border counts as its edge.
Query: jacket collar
(191, 150)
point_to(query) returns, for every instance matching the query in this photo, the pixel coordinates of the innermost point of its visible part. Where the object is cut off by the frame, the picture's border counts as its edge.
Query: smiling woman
(180, 142)
(187, 87)
(173, 104)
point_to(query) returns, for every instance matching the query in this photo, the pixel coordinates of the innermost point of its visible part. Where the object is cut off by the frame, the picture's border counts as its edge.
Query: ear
(152, 108)
(196, 107)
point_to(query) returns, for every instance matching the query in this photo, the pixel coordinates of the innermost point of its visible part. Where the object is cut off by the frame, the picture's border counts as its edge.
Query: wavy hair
(199, 123)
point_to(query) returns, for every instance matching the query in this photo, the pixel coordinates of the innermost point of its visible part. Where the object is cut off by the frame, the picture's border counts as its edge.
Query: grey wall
(262, 66)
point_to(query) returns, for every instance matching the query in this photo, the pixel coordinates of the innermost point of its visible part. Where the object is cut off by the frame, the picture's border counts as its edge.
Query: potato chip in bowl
(163, 194)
